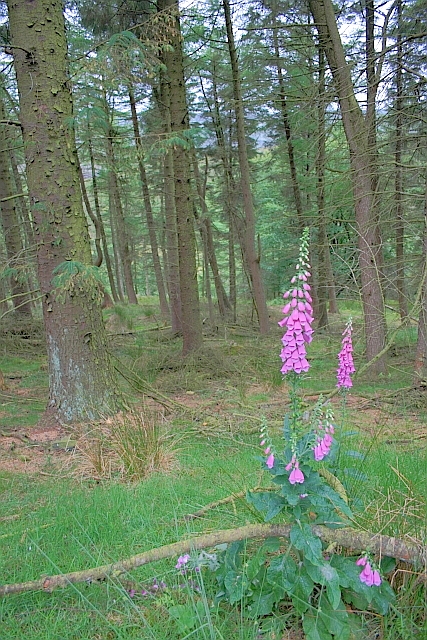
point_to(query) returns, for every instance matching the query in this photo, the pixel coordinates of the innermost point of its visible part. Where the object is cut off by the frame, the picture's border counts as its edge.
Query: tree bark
(179, 124)
(322, 238)
(227, 189)
(398, 177)
(101, 224)
(357, 132)
(120, 223)
(287, 128)
(421, 350)
(249, 233)
(11, 227)
(164, 307)
(82, 384)
(223, 302)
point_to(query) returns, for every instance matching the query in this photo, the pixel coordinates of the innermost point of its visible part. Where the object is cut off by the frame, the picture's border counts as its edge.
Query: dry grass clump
(130, 446)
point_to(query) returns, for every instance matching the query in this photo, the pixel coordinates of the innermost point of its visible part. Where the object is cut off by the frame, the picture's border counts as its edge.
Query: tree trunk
(120, 223)
(357, 133)
(287, 128)
(190, 309)
(421, 351)
(398, 177)
(322, 238)
(164, 307)
(228, 190)
(11, 227)
(250, 248)
(118, 263)
(99, 257)
(82, 384)
(101, 224)
(206, 231)
(171, 236)
(172, 244)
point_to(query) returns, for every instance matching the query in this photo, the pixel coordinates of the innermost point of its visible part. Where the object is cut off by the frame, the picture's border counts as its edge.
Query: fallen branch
(409, 552)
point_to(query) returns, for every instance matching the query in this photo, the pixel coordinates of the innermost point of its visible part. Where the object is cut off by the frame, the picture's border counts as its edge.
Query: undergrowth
(106, 503)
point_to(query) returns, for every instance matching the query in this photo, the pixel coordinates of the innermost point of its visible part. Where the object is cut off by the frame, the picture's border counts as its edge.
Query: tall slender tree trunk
(179, 123)
(206, 230)
(357, 132)
(287, 127)
(421, 350)
(398, 176)
(11, 227)
(82, 383)
(120, 223)
(164, 307)
(172, 244)
(162, 97)
(118, 263)
(228, 183)
(249, 234)
(322, 238)
(105, 251)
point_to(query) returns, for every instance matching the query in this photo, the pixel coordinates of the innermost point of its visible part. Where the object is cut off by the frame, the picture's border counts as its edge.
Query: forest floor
(205, 413)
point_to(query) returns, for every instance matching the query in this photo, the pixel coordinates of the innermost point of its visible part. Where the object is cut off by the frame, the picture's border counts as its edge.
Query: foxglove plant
(309, 492)
(298, 314)
(345, 358)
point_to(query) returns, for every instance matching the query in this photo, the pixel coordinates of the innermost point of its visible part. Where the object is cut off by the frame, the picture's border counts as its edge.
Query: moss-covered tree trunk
(81, 380)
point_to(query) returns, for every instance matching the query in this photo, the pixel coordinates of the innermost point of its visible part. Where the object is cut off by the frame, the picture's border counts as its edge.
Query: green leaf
(282, 573)
(267, 503)
(233, 558)
(186, 616)
(314, 628)
(236, 585)
(336, 500)
(291, 493)
(327, 576)
(336, 621)
(303, 539)
(302, 591)
(263, 605)
(382, 597)
(387, 564)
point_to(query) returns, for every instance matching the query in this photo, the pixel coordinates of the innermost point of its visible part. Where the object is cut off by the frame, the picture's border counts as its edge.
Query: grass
(66, 518)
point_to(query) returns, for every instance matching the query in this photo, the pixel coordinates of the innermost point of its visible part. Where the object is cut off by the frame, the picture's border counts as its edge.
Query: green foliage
(75, 278)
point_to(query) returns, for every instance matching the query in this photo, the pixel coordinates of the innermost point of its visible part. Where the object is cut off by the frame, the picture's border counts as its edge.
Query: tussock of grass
(130, 446)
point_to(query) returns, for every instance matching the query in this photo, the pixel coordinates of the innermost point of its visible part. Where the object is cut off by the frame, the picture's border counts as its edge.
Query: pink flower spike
(362, 561)
(286, 294)
(267, 451)
(270, 461)
(262, 443)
